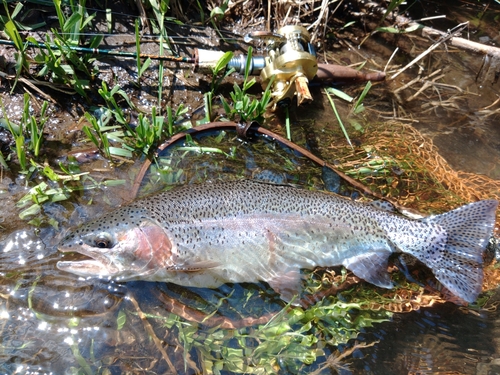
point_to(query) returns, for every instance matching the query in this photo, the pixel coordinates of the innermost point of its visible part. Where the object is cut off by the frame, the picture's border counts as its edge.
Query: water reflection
(439, 340)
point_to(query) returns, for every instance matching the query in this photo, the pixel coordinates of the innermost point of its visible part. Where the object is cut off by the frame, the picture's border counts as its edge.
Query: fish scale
(247, 231)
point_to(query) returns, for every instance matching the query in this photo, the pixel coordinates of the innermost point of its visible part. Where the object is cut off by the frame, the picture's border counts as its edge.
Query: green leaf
(216, 12)
(121, 319)
(339, 94)
(91, 136)
(393, 30)
(117, 151)
(70, 23)
(30, 211)
(358, 107)
(60, 16)
(114, 182)
(16, 10)
(49, 172)
(341, 124)
(348, 24)
(145, 66)
(14, 35)
(87, 21)
(248, 63)
(222, 63)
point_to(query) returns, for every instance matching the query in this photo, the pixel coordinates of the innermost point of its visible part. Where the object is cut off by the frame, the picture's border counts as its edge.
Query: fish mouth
(95, 265)
(88, 267)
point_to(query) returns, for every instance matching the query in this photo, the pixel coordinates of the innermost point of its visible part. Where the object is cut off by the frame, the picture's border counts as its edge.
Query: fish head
(123, 245)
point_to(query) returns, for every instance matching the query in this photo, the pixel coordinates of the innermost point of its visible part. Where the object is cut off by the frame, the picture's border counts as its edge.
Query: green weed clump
(243, 106)
(57, 187)
(111, 126)
(294, 340)
(28, 133)
(56, 56)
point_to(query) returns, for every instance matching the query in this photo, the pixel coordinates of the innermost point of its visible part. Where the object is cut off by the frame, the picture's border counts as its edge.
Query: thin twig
(152, 334)
(491, 105)
(442, 40)
(333, 361)
(390, 59)
(424, 87)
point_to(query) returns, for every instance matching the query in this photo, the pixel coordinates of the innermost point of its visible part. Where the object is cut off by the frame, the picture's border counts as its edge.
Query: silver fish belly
(246, 231)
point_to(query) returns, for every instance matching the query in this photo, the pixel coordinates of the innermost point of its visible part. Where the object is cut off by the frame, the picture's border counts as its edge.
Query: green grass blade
(11, 30)
(358, 107)
(332, 103)
(339, 94)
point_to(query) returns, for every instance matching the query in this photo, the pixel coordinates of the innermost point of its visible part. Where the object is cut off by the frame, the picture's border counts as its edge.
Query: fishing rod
(186, 40)
(291, 60)
(289, 66)
(105, 52)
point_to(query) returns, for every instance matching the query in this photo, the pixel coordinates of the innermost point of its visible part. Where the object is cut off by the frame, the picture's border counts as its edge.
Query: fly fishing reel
(291, 60)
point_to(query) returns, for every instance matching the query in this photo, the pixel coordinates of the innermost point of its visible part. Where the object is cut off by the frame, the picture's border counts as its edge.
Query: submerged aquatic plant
(291, 340)
(341, 124)
(356, 109)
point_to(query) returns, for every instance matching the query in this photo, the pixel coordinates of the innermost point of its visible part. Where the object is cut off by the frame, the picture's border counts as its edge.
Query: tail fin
(458, 266)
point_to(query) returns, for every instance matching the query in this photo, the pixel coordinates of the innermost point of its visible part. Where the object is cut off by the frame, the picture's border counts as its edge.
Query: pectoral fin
(371, 267)
(288, 284)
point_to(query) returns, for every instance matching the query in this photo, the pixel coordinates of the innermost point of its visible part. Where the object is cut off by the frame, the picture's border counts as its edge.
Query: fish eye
(103, 241)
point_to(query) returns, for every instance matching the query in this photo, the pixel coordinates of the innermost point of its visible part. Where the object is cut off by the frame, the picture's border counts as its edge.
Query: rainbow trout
(245, 231)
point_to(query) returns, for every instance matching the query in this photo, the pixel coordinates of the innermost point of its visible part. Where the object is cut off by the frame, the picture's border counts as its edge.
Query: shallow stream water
(52, 322)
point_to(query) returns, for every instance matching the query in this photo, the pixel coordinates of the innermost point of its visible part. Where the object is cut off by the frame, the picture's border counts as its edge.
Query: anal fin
(371, 267)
